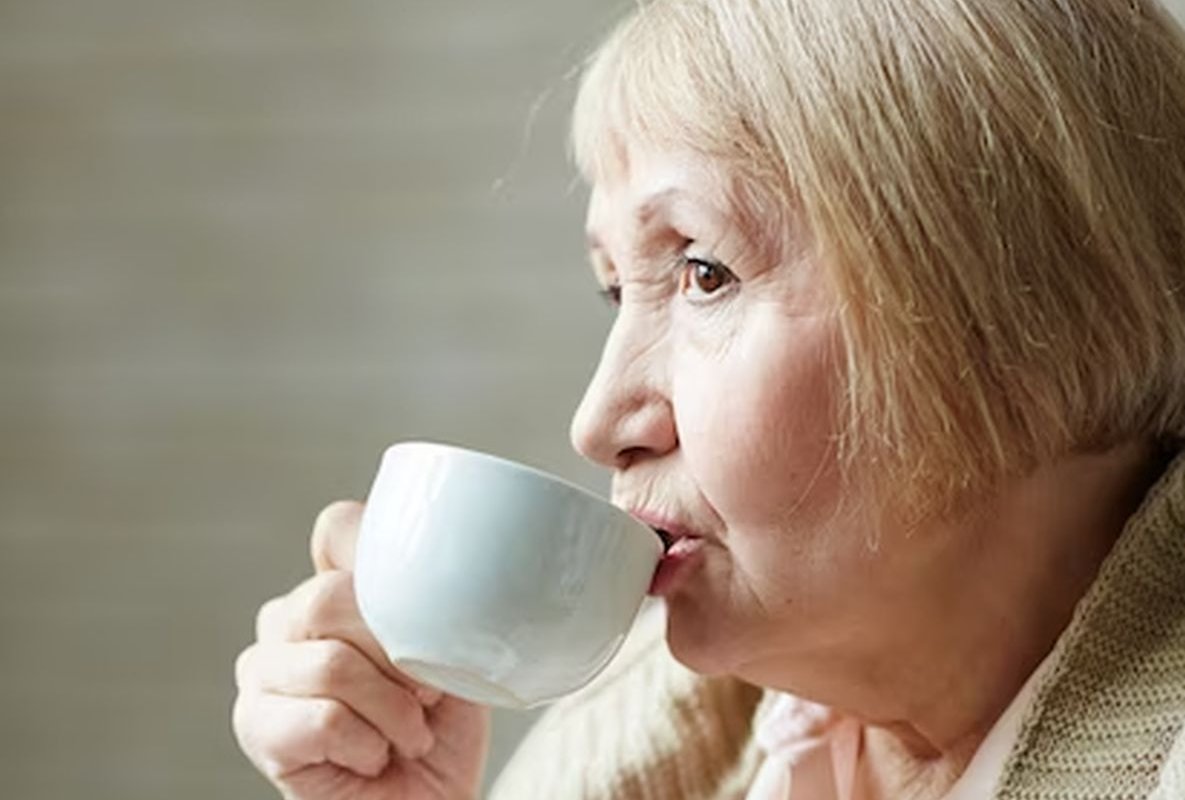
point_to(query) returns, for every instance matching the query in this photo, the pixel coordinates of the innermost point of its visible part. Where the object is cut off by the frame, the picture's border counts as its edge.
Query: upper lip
(670, 530)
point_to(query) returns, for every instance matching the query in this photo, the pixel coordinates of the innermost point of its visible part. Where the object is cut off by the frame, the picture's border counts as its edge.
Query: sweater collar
(1107, 711)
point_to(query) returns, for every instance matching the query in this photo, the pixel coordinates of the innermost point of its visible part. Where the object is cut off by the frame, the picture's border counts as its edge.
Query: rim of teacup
(518, 466)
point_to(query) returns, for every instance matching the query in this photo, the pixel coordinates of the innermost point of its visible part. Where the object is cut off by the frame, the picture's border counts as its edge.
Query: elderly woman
(900, 363)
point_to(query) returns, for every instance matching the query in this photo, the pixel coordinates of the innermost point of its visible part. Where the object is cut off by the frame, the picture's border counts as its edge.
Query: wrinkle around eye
(648, 290)
(644, 319)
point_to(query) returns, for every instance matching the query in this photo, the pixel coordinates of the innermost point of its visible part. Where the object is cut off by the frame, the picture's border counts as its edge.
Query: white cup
(493, 581)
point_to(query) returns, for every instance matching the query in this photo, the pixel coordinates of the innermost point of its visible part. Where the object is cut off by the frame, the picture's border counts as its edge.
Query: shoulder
(1111, 708)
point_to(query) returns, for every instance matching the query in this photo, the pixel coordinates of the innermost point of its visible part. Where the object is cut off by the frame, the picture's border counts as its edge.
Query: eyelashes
(699, 280)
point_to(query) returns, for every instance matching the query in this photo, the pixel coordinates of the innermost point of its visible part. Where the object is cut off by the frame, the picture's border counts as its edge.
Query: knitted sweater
(1106, 722)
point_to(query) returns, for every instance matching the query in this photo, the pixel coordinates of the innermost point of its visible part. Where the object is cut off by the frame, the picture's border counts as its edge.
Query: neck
(986, 603)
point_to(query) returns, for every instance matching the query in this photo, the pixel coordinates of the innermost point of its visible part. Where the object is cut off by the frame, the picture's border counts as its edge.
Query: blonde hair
(996, 188)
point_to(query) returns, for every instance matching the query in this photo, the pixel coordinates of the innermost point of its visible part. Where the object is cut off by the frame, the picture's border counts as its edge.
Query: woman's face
(715, 403)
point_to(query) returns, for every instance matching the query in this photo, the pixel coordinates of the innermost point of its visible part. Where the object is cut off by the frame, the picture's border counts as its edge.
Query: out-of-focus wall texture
(244, 244)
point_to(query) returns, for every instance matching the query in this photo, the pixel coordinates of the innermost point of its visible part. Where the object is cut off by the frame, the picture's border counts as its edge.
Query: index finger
(335, 536)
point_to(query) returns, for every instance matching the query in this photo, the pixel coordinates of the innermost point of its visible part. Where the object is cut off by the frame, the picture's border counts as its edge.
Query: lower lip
(676, 564)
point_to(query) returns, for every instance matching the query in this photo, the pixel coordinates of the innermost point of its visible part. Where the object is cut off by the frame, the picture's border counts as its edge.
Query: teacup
(493, 581)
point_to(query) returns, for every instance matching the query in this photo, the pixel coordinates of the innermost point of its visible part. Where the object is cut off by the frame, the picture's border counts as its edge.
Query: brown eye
(702, 278)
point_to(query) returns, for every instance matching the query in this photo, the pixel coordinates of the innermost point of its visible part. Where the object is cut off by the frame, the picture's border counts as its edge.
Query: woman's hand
(324, 715)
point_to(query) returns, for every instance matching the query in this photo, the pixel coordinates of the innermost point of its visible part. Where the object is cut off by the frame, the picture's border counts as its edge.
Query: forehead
(644, 186)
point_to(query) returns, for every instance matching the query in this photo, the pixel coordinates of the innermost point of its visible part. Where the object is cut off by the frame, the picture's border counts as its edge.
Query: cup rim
(520, 467)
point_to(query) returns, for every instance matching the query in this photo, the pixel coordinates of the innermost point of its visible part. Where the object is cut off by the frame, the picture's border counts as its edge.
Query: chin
(692, 639)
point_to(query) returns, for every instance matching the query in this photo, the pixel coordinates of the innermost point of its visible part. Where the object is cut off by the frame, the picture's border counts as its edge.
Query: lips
(667, 537)
(682, 551)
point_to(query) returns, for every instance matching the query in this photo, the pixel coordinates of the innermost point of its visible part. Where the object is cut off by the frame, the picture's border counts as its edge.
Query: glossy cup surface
(493, 581)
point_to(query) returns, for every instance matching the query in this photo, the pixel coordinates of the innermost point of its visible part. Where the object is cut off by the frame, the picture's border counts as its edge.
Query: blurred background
(245, 244)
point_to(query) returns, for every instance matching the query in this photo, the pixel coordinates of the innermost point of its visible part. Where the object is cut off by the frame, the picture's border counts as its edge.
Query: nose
(626, 412)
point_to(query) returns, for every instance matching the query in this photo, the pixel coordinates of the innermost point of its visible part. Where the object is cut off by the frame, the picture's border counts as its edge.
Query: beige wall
(243, 245)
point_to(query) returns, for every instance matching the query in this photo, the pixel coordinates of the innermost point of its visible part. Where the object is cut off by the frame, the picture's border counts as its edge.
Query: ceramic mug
(493, 581)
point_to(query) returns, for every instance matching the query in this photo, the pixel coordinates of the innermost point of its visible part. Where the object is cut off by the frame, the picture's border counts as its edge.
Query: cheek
(757, 423)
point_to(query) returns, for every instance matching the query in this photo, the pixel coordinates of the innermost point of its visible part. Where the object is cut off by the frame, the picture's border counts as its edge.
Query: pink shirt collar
(812, 752)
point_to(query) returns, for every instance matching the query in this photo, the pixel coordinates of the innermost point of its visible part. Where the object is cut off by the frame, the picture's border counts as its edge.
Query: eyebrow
(752, 220)
(655, 202)
(646, 210)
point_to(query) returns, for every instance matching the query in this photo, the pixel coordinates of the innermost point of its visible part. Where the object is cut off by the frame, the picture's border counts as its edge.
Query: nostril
(626, 458)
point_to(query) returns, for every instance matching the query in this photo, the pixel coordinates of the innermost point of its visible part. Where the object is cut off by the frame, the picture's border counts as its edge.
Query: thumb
(335, 536)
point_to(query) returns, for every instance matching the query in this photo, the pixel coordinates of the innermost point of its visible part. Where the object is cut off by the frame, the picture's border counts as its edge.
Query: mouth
(667, 537)
(682, 551)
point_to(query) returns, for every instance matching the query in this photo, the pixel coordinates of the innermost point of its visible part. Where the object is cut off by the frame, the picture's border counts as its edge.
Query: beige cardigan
(1105, 723)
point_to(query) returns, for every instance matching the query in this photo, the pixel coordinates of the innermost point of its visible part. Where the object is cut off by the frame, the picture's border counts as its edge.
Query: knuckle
(330, 596)
(335, 517)
(336, 665)
(409, 707)
(271, 767)
(244, 724)
(239, 722)
(243, 664)
(269, 748)
(267, 617)
(377, 756)
(331, 719)
(337, 514)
